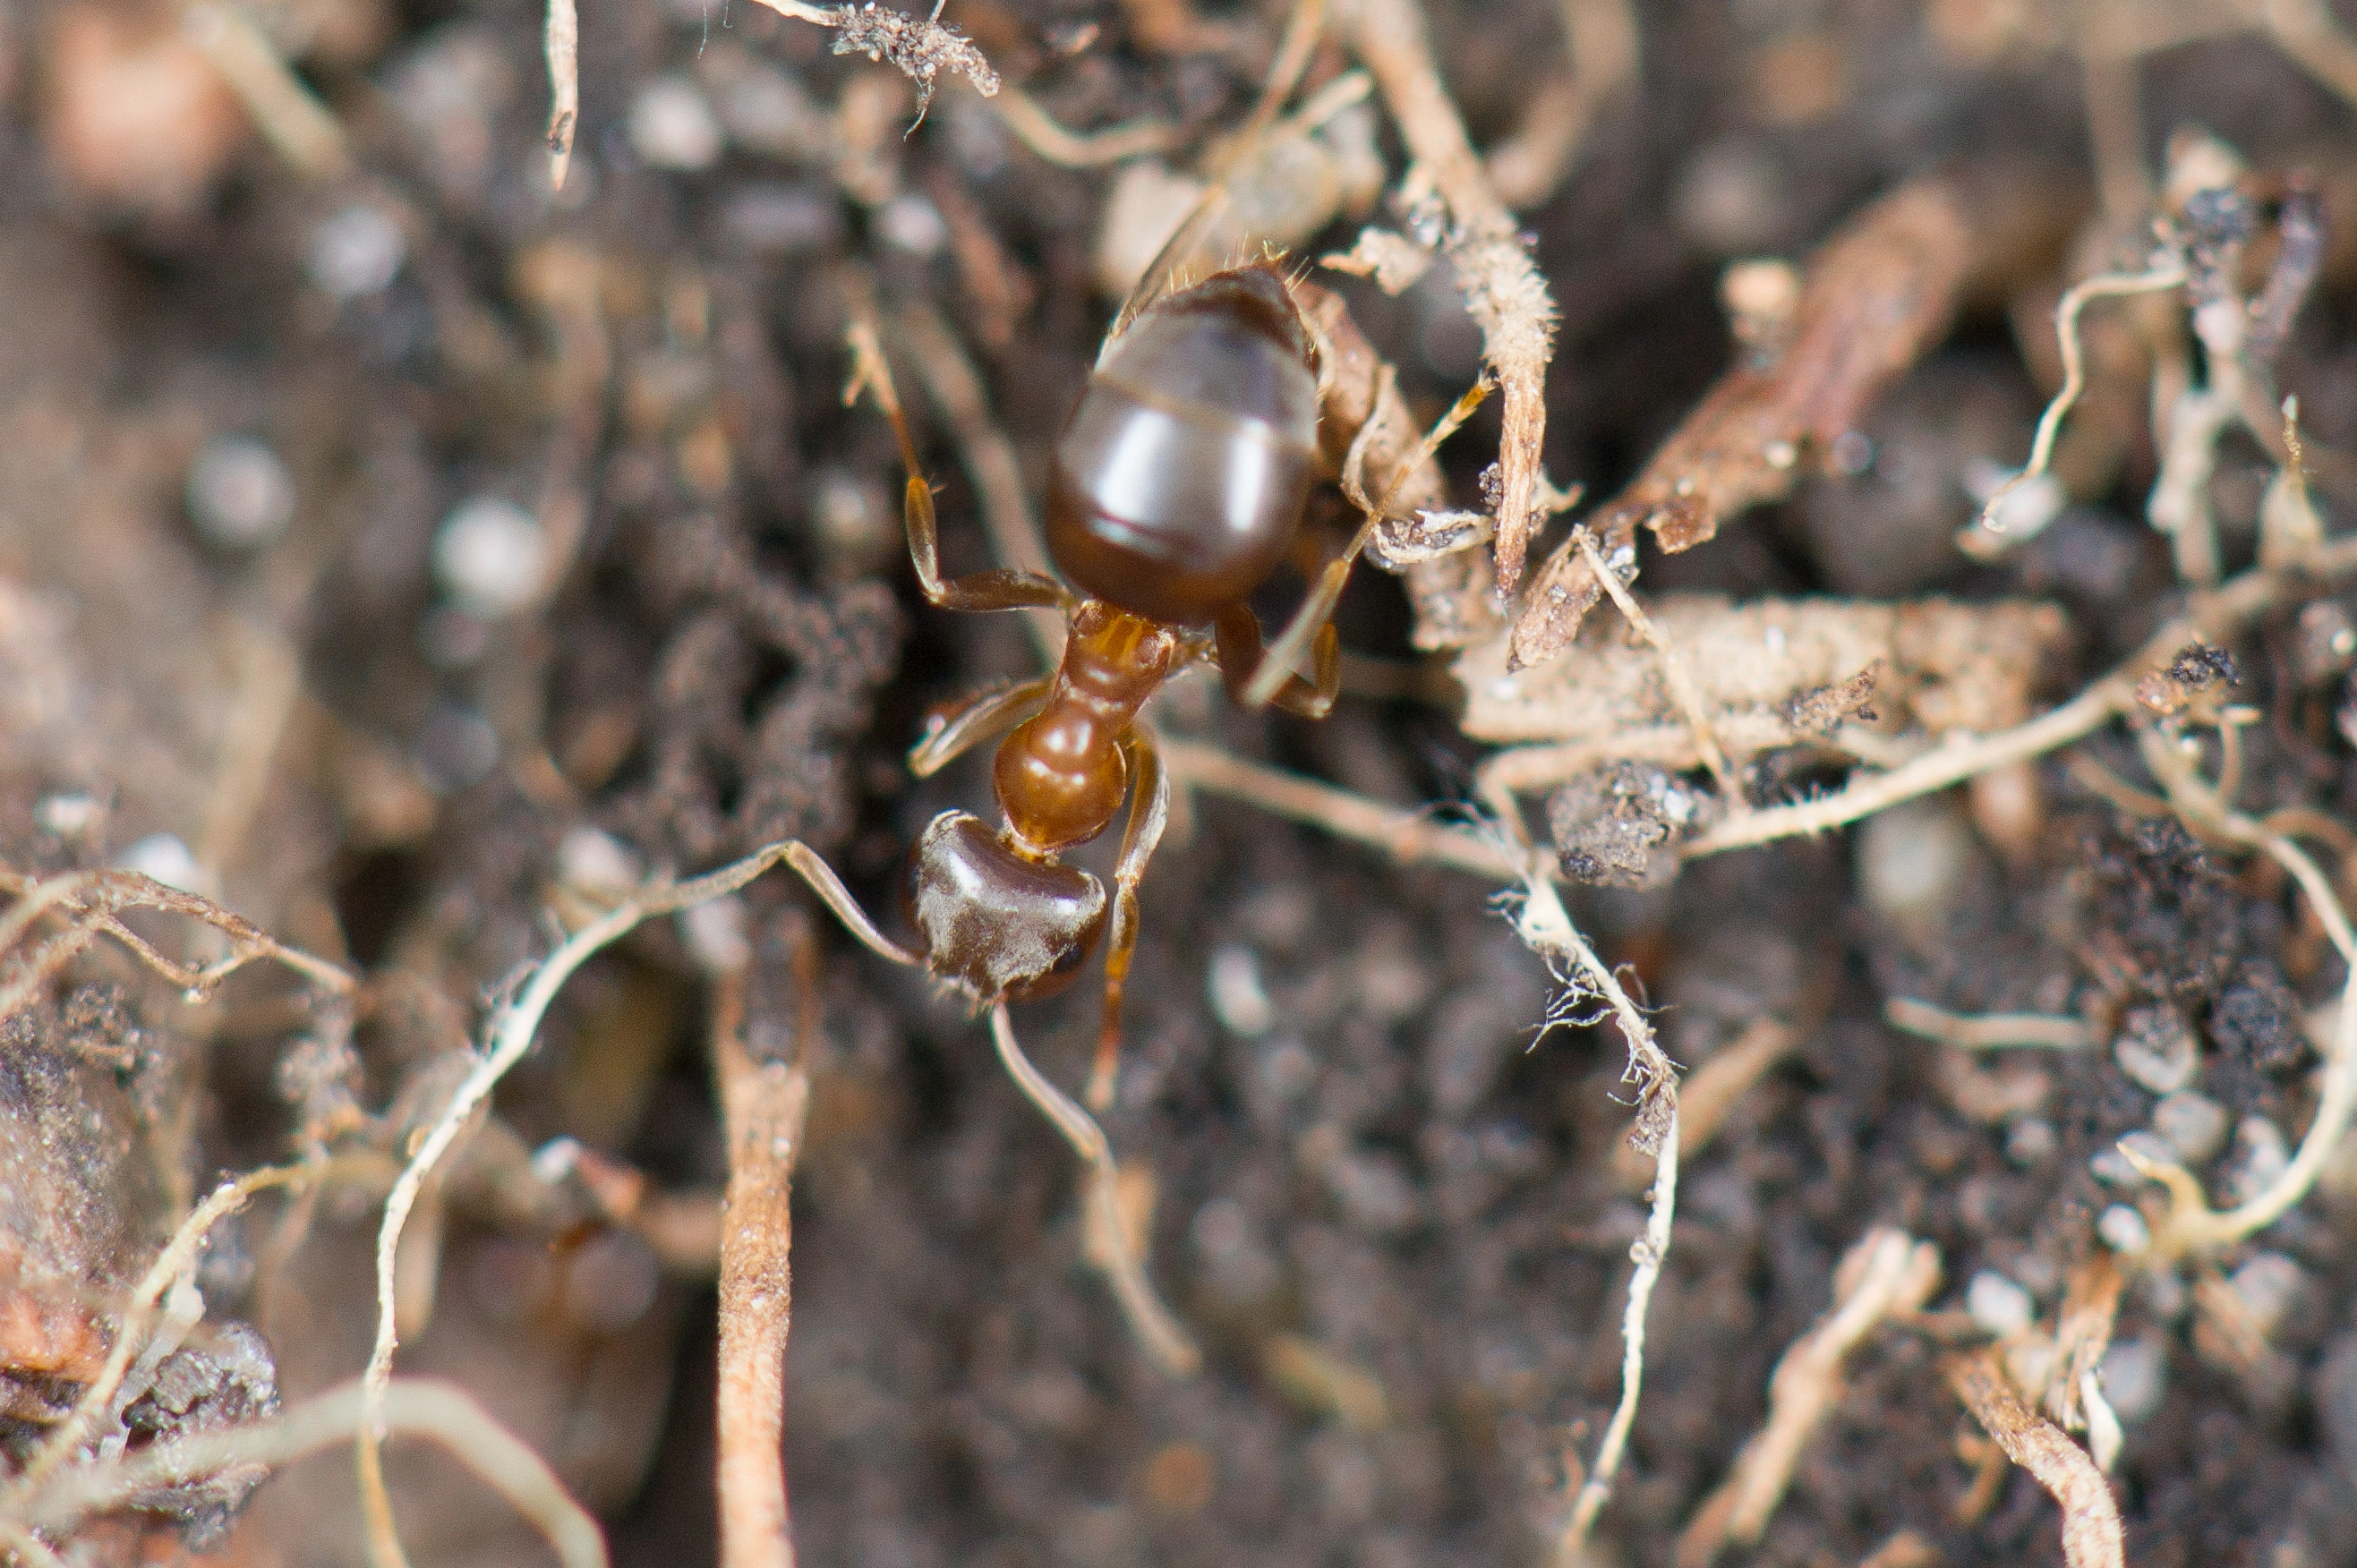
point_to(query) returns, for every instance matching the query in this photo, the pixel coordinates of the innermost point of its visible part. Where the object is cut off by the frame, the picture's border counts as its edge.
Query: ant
(1178, 487)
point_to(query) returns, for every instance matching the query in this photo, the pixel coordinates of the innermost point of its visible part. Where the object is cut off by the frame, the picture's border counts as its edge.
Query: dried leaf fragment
(1768, 673)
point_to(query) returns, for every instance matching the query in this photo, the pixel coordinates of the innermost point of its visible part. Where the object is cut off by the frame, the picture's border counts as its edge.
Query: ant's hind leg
(1256, 682)
(1260, 678)
(836, 897)
(1149, 811)
(998, 589)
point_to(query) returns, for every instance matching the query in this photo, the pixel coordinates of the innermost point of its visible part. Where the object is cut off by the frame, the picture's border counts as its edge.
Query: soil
(1386, 1200)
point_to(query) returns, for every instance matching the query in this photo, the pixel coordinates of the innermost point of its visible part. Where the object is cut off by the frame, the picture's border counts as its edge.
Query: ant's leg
(1109, 1245)
(1259, 681)
(998, 589)
(955, 728)
(837, 898)
(1256, 679)
(1149, 811)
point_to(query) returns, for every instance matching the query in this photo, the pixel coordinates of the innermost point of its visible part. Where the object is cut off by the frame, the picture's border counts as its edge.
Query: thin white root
(1111, 1244)
(564, 86)
(512, 1029)
(2106, 285)
(1545, 927)
(1988, 1031)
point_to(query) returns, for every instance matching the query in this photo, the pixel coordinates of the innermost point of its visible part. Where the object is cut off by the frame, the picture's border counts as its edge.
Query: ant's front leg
(1149, 811)
(1000, 588)
(957, 728)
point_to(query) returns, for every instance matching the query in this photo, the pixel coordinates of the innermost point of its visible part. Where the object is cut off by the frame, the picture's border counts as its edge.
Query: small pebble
(594, 861)
(167, 859)
(240, 495)
(2193, 1124)
(855, 526)
(672, 126)
(2267, 1285)
(767, 111)
(2135, 1378)
(1731, 197)
(715, 931)
(2123, 1229)
(492, 556)
(2026, 508)
(909, 222)
(2326, 643)
(67, 816)
(1912, 859)
(356, 252)
(2156, 1049)
(1997, 1307)
(2029, 1142)
(2261, 1156)
(1238, 999)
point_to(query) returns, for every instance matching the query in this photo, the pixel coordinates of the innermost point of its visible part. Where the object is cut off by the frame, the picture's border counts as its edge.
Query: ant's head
(998, 925)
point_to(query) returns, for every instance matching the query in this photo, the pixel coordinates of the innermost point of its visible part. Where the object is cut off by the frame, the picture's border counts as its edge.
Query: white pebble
(2156, 1049)
(556, 1160)
(67, 816)
(2123, 1229)
(167, 859)
(1238, 998)
(2261, 1156)
(2267, 1285)
(356, 252)
(1997, 1307)
(672, 126)
(909, 222)
(715, 933)
(1912, 859)
(591, 861)
(491, 555)
(240, 494)
(2192, 1124)
(2135, 1378)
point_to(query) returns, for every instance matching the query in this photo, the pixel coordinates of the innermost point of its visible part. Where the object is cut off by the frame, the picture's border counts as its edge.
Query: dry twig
(1878, 293)
(2091, 1519)
(764, 1105)
(1504, 290)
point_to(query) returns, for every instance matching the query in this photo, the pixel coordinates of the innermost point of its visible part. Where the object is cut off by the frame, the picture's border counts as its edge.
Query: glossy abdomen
(1181, 479)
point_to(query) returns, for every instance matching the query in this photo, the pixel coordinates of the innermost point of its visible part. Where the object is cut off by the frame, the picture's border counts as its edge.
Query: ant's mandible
(1178, 487)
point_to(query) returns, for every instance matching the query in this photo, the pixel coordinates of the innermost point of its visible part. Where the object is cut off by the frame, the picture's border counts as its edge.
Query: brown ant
(1178, 487)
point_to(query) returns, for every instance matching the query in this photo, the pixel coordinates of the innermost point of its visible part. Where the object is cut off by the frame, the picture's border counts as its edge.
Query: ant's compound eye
(997, 925)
